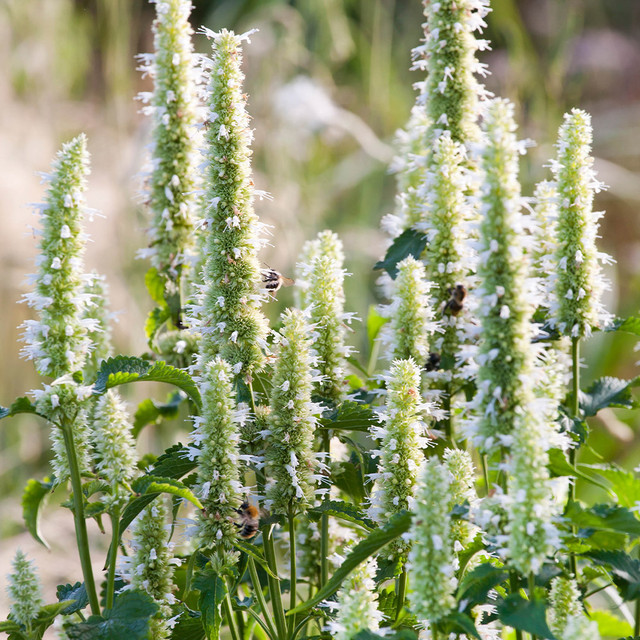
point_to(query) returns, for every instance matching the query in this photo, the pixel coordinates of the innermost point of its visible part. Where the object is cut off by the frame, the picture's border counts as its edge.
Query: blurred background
(328, 84)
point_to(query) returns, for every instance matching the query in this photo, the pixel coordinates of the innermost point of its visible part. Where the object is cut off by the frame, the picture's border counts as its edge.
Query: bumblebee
(455, 303)
(433, 362)
(249, 520)
(273, 280)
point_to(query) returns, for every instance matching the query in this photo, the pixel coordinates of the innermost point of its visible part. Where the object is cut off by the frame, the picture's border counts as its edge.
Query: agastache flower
(432, 558)
(579, 283)
(173, 105)
(402, 439)
(217, 432)
(566, 616)
(231, 300)
(291, 466)
(24, 591)
(97, 310)
(459, 464)
(412, 319)
(58, 342)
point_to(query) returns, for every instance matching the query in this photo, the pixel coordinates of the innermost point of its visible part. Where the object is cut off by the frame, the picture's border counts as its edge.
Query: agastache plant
(24, 591)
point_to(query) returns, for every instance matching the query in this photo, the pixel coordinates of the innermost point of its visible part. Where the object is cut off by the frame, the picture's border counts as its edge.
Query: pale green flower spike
(59, 343)
(114, 443)
(544, 246)
(152, 564)
(173, 106)
(580, 628)
(566, 615)
(506, 295)
(100, 334)
(579, 284)
(402, 440)
(218, 472)
(460, 466)
(24, 591)
(451, 91)
(432, 558)
(357, 603)
(291, 466)
(232, 323)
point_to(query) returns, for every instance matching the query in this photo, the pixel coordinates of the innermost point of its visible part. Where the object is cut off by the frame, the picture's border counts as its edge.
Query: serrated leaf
(625, 571)
(154, 322)
(609, 624)
(128, 619)
(350, 416)
(175, 462)
(213, 591)
(189, 625)
(409, 243)
(344, 511)
(20, 405)
(477, 583)
(525, 615)
(147, 484)
(604, 517)
(77, 593)
(630, 325)
(124, 369)
(377, 539)
(150, 412)
(33, 497)
(608, 392)
(255, 552)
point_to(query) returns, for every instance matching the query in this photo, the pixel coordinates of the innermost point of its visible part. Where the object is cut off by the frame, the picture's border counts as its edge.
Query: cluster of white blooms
(97, 310)
(24, 591)
(459, 464)
(567, 618)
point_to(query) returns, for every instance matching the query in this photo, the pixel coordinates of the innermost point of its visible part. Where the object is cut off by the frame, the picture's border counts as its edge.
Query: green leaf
(624, 484)
(155, 286)
(409, 243)
(402, 634)
(375, 322)
(459, 623)
(608, 392)
(150, 412)
(124, 369)
(77, 593)
(609, 624)
(254, 551)
(350, 416)
(347, 476)
(560, 466)
(189, 625)
(213, 591)
(128, 619)
(33, 497)
(9, 626)
(344, 511)
(604, 517)
(525, 615)
(625, 571)
(477, 583)
(377, 539)
(20, 405)
(154, 484)
(175, 462)
(154, 322)
(630, 325)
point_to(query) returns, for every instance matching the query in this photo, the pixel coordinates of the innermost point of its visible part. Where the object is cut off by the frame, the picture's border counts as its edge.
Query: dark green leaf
(128, 619)
(560, 466)
(477, 583)
(9, 626)
(402, 634)
(344, 511)
(33, 497)
(153, 484)
(377, 539)
(604, 517)
(525, 615)
(624, 569)
(608, 392)
(150, 412)
(470, 550)
(20, 405)
(347, 476)
(189, 625)
(213, 591)
(255, 552)
(350, 416)
(459, 623)
(77, 593)
(175, 462)
(409, 243)
(124, 369)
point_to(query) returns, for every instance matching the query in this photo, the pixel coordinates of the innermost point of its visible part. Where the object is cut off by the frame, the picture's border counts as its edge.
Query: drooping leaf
(128, 619)
(150, 412)
(33, 497)
(124, 369)
(344, 511)
(625, 571)
(608, 392)
(213, 591)
(409, 243)
(76, 592)
(20, 405)
(525, 615)
(147, 484)
(604, 517)
(560, 466)
(477, 583)
(350, 416)
(253, 551)
(377, 539)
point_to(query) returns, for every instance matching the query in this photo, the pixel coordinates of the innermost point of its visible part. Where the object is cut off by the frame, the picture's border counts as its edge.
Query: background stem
(113, 556)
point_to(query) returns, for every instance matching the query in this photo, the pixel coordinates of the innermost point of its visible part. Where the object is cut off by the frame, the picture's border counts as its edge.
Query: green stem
(324, 521)
(513, 586)
(636, 628)
(257, 589)
(596, 590)
(294, 568)
(575, 410)
(253, 400)
(82, 538)
(401, 591)
(532, 588)
(228, 612)
(274, 585)
(485, 472)
(446, 405)
(113, 556)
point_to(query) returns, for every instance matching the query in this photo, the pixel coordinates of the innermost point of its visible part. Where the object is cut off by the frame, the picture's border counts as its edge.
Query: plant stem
(401, 591)
(257, 589)
(274, 585)
(513, 585)
(324, 520)
(294, 569)
(575, 410)
(485, 472)
(228, 612)
(446, 405)
(80, 524)
(532, 589)
(113, 556)
(636, 628)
